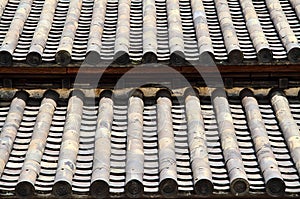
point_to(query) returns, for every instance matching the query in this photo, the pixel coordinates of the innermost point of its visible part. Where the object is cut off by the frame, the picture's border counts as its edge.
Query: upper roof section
(142, 31)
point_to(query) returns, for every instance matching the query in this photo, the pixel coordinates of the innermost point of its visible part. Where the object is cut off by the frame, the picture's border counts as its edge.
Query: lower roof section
(150, 143)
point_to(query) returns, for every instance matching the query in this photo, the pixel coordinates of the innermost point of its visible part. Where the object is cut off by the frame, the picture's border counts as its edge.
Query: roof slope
(148, 31)
(150, 146)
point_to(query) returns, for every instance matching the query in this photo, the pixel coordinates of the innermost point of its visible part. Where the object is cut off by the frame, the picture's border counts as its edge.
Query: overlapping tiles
(248, 143)
(169, 33)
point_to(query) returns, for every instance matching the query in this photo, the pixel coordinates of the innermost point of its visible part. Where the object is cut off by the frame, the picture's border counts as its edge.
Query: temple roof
(146, 143)
(133, 32)
(96, 98)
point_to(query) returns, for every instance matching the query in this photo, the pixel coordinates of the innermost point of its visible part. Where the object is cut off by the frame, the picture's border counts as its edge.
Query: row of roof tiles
(136, 163)
(149, 31)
